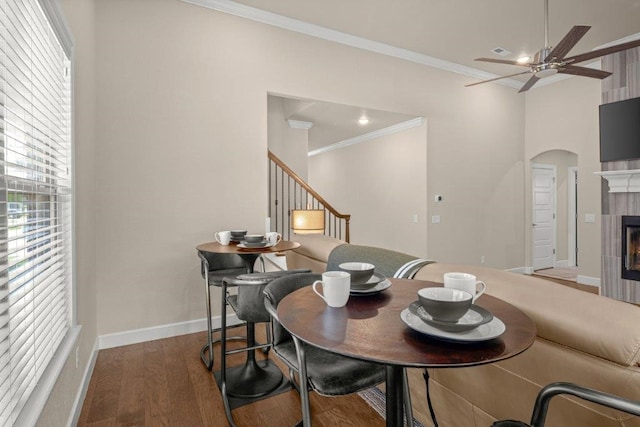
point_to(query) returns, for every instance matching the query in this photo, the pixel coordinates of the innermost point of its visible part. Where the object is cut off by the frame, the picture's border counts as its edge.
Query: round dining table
(371, 328)
(248, 255)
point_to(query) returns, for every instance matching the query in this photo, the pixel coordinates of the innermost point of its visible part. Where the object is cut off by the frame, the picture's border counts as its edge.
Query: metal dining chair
(326, 373)
(543, 399)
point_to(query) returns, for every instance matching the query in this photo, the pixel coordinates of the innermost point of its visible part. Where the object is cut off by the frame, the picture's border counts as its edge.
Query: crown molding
(299, 124)
(371, 135)
(269, 18)
(280, 21)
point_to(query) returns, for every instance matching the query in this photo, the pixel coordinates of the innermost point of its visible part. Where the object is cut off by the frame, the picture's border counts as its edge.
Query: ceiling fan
(551, 60)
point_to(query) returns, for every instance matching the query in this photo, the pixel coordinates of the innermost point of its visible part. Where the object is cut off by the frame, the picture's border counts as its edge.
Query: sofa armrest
(586, 322)
(313, 252)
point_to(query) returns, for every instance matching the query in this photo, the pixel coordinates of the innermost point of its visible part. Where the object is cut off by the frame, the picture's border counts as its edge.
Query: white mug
(465, 282)
(335, 288)
(274, 237)
(223, 237)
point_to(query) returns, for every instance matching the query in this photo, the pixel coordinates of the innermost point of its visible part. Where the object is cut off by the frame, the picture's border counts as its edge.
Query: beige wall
(181, 106)
(564, 116)
(382, 183)
(289, 145)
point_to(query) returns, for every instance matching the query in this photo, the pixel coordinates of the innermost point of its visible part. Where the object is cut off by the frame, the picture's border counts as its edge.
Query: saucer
(385, 284)
(373, 280)
(247, 245)
(485, 332)
(473, 318)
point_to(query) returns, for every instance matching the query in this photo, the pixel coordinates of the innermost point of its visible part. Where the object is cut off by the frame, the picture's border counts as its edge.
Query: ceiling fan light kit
(552, 60)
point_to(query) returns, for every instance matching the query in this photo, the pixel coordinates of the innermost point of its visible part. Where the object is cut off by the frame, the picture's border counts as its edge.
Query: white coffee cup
(335, 288)
(223, 237)
(273, 237)
(465, 282)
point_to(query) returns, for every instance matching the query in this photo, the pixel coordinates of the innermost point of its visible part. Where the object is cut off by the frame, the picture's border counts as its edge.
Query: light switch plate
(435, 219)
(589, 217)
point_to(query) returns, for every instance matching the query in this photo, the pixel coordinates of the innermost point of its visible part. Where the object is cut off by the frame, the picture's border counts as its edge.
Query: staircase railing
(287, 192)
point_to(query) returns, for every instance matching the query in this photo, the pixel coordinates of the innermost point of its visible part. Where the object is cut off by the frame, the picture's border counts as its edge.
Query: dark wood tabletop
(370, 328)
(232, 248)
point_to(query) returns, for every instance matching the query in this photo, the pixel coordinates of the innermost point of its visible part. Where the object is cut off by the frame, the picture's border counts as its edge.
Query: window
(35, 201)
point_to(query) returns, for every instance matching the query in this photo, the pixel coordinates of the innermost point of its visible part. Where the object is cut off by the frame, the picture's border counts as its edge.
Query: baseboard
(159, 332)
(76, 410)
(589, 281)
(521, 270)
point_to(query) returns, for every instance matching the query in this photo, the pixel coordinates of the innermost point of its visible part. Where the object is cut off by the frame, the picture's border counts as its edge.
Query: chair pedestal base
(253, 380)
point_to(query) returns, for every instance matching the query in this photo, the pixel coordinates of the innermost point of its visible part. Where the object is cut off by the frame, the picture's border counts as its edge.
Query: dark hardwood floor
(164, 383)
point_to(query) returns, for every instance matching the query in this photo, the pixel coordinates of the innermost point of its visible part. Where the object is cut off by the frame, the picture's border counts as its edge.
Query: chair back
(387, 262)
(220, 261)
(278, 289)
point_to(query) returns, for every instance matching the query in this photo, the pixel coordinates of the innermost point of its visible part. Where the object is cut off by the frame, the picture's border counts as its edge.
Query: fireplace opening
(631, 247)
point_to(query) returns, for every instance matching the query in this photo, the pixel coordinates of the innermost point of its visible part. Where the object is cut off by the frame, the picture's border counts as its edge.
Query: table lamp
(308, 221)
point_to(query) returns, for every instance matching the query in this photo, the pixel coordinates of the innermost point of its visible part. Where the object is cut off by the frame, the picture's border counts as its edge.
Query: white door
(544, 216)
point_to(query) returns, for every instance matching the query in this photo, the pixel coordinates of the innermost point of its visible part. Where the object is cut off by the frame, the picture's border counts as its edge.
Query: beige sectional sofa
(582, 338)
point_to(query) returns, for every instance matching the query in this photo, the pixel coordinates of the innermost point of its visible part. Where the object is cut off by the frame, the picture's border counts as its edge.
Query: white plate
(485, 332)
(385, 284)
(255, 245)
(373, 280)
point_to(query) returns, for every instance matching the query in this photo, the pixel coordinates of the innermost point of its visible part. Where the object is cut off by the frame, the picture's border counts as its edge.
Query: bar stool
(253, 379)
(215, 267)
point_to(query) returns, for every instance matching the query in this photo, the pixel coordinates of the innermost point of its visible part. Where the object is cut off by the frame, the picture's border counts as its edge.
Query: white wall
(564, 115)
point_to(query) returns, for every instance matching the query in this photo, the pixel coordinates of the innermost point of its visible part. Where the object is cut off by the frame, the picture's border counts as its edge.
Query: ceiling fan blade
(502, 61)
(568, 42)
(602, 52)
(497, 78)
(584, 71)
(533, 80)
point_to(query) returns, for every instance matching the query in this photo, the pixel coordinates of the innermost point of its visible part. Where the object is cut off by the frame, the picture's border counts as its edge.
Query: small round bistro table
(370, 328)
(251, 379)
(248, 255)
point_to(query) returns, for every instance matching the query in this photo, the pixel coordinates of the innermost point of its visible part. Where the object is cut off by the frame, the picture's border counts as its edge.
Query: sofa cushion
(586, 322)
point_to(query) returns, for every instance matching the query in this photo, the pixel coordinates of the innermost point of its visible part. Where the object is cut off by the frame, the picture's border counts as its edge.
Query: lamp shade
(310, 221)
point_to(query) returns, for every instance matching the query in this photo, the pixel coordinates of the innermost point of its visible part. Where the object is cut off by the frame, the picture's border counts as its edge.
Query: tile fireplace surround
(624, 84)
(614, 206)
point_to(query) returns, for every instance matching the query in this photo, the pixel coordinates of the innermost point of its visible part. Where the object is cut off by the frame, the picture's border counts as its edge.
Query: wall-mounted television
(620, 130)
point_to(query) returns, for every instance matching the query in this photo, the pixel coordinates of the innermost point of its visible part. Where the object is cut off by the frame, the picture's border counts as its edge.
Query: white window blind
(35, 200)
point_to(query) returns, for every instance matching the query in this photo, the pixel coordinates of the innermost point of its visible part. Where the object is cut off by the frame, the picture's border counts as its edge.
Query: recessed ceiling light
(523, 59)
(363, 120)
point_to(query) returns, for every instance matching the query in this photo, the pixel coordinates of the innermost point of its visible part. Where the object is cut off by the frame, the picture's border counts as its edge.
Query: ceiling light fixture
(363, 121)
(523, 59)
